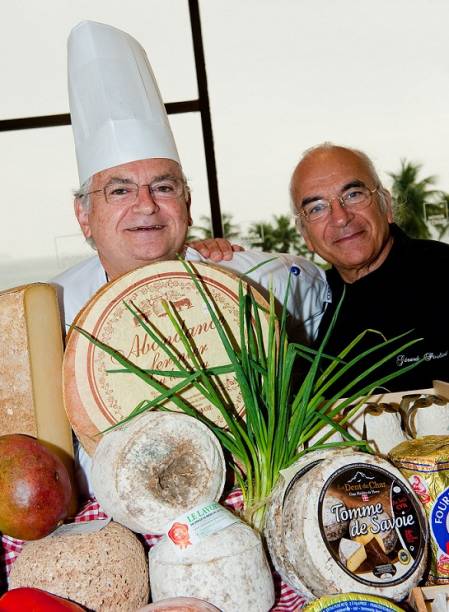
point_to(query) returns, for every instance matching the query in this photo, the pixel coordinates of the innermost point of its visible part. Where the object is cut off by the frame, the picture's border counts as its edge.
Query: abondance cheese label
(371, 525)
(99, 392)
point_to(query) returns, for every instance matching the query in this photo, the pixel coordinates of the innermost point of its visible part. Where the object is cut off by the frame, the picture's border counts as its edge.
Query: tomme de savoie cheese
(347, 522)
(274, 526)
(155, 467)
(31, 352)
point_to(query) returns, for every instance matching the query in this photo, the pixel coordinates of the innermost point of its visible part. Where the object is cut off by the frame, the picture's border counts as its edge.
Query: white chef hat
(117, 111)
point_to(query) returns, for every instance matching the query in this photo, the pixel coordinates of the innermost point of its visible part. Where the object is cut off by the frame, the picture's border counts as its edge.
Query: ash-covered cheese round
(383, 550)
(274, 529)
(228, 568)
(105, 571)
(150, 470)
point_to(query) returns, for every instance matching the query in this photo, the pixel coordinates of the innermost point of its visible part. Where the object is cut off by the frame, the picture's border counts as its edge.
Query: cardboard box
(387, 419)
(433, 598)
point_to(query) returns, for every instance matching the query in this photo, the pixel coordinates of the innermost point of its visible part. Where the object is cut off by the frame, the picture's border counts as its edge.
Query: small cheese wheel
(105, 571)
(228, 568)
(155, 467)
(383, 428)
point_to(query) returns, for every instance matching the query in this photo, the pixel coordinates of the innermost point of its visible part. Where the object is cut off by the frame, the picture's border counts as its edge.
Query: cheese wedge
(366, 539)
(351, 553)
(31, 351)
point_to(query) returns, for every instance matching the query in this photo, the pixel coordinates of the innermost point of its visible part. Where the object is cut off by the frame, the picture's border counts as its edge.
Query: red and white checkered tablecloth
(287, 600)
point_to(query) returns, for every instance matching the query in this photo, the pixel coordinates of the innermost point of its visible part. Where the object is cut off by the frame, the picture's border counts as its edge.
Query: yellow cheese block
(352, 554)
(31, 352)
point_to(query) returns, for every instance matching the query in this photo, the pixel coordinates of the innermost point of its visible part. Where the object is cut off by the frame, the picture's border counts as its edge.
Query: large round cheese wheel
(104, 571)
(228, 568)
(155, 467)
(381, 548)
(94, 398)
(346, 522)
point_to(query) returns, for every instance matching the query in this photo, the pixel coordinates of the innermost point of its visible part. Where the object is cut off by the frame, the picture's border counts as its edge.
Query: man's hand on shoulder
(215, 249)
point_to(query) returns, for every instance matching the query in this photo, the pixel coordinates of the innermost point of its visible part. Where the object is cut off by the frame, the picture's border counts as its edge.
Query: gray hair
(328, 146)
(82, 194)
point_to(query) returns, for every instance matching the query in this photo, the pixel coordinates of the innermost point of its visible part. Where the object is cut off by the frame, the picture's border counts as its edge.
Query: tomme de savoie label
(371, 525)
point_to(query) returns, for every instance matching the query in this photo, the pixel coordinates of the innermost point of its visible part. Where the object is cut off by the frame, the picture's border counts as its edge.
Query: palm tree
(411, 196)
(261, 236)
(230, 229)
(440, 215)
(280, 236)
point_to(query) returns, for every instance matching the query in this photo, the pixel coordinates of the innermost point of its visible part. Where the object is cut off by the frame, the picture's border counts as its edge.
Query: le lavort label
(371, 525)
(196, 524)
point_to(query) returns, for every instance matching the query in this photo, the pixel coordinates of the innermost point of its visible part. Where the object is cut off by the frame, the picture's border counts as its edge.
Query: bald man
(393, 283)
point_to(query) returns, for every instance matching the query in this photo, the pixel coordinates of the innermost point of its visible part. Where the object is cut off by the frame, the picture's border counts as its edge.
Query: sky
(283, 76)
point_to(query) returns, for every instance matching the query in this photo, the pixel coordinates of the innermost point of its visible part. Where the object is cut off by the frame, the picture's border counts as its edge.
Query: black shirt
(409, 291)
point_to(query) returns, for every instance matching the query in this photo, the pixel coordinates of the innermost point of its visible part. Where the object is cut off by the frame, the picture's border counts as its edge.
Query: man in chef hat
(134, 203)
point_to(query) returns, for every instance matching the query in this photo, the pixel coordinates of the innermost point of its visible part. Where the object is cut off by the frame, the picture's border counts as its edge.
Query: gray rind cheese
(317, 564)
(273, 530)
(228, 568)
(152, 469)
(334, 529)
(104, 571)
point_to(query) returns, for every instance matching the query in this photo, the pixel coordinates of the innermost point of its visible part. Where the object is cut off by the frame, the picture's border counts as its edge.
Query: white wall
(283, 76)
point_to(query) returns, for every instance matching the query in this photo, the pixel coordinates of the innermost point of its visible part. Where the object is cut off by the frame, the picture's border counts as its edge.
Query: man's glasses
(123, 193)
(355, 198)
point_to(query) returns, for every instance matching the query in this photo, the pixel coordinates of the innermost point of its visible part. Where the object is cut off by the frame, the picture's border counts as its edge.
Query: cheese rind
(150, 470)
(31, 353)
(228, 568)
(105, 570)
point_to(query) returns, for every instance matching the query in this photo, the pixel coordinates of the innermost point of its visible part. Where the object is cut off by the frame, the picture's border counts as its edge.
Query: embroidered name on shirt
(403, 360)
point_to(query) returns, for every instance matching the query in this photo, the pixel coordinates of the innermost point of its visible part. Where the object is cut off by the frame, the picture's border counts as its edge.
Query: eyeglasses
(124, 193)
(355, 198)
